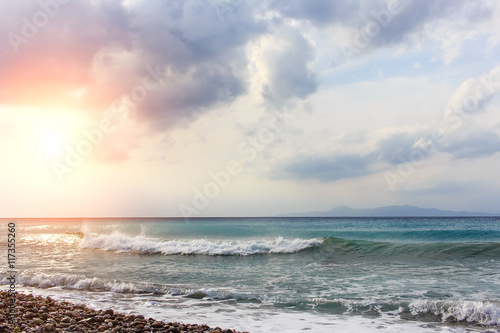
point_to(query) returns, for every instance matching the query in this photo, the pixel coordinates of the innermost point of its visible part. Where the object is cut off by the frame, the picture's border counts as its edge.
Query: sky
(247, 108)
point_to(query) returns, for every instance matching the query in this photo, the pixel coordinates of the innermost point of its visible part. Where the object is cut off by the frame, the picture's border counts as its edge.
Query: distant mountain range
(344, 211)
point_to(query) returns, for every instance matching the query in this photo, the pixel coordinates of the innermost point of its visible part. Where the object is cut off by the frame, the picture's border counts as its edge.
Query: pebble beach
(44, 314)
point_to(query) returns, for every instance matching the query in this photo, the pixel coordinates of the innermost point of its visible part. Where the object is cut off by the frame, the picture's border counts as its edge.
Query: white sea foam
(72, 281)
(83, 283)
(477, 312)
(245, 316)
(480, 312)
(250, 316)
(119, 242)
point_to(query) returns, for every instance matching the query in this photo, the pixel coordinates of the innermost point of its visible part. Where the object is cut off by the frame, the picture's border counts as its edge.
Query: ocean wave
(119, 242)
(94, 284)
(383, 249)
(475, 312)
(479, 312)
(79, 282)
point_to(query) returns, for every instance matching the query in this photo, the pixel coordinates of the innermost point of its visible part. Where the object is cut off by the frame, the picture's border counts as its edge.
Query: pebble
(55, 316)
(37, 321)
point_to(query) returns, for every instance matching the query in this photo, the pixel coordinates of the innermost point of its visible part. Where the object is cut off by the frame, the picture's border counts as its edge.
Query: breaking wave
(475, 312)
(119, 242)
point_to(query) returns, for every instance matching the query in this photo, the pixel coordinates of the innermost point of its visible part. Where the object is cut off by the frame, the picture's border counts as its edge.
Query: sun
(41, 136)
(52, 132)
(51, 142)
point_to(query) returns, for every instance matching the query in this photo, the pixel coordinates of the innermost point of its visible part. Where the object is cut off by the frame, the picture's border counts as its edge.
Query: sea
(270, 274)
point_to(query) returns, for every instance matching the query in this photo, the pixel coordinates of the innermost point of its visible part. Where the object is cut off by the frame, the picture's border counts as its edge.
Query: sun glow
(51, 143)
(48, 132)
(50, 136)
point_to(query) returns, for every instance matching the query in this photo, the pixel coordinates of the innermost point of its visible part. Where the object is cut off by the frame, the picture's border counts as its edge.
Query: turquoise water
(429, 273)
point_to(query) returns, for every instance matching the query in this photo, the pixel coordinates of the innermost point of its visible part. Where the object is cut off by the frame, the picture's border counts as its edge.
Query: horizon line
(245, 217)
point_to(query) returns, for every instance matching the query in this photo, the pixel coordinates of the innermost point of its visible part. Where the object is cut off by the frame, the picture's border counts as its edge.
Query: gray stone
(157, 324)
(37, 321)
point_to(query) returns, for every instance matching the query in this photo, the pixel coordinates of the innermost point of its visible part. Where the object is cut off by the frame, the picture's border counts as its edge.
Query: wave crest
(119, 242)
(477, 312)
(77, 282)
(82, 282)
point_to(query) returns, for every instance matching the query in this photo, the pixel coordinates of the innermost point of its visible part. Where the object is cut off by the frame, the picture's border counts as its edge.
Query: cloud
(328, 168)
(104, 48)
(318, 12)
(421, 144)
(405, 18)
(397, 147)
(183, 95)
(472, 145)
(201, 53)
(470, 98)
(48, 51)
(186, 33)
(363, 27)
(286, 57)
(89, 54)
(474, 94)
